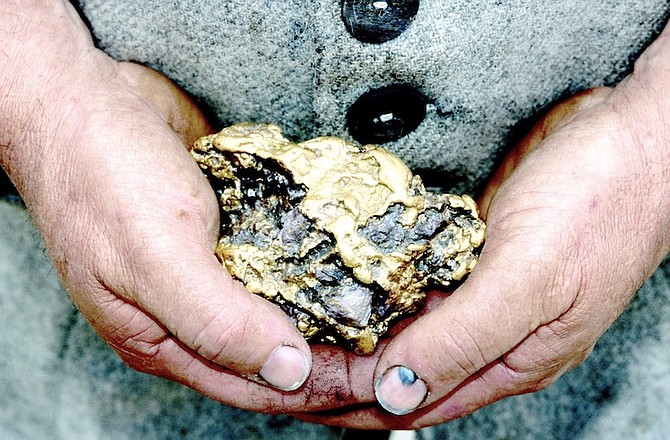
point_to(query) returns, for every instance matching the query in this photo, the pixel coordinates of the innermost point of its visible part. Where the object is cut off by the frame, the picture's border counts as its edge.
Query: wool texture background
(486, 66)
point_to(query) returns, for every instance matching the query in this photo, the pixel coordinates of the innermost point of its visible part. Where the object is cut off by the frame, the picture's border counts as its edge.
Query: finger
(156, 252)
(364, 418)
(510, 375)
(483, 389)
(488, 316)
(218, 319)
(145, 345)
(519, 372)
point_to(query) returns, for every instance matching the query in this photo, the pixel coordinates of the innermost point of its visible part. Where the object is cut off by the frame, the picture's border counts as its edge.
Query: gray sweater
(484, 67)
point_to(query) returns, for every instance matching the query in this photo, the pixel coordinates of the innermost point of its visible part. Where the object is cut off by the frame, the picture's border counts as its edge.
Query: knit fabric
(486, 66)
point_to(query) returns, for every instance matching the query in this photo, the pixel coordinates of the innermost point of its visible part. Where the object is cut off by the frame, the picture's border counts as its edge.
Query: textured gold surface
(347, 188)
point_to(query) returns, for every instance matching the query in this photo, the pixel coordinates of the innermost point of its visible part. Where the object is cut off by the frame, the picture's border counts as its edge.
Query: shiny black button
(386, 114)
(375, 22)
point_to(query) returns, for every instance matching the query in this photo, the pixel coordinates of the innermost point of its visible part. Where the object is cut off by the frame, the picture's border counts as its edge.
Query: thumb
(187, 291)
(483, 320)
(219, 320)
(527, 277)
(171, 276)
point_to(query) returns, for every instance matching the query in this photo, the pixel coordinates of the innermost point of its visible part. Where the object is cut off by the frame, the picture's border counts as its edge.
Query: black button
(386, 114)
(378, 21)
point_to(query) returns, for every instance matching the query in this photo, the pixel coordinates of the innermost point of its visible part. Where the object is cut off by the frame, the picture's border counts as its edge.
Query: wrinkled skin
(577, 220)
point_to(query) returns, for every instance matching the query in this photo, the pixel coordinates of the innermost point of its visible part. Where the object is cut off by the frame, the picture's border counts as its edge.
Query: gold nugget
(342, 237)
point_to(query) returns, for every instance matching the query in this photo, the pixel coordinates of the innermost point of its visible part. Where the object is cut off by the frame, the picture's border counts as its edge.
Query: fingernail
(287, 368)
(400, 391)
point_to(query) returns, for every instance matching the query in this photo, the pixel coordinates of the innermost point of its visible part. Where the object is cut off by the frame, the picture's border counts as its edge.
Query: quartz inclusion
(342, 237)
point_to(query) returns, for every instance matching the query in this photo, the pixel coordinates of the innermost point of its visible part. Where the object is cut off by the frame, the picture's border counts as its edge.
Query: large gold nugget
(344, 238)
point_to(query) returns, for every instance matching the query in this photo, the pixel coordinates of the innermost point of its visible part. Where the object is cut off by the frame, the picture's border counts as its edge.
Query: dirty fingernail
(400, 391)
(286, 369)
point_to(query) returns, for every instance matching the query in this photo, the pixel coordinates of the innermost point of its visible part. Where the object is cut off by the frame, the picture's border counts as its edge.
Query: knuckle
(524, 379)
(461, 349)
(539, 383)
(135, 337)
(137, 362)
(544, 357)
(224, 339)
(141, 353)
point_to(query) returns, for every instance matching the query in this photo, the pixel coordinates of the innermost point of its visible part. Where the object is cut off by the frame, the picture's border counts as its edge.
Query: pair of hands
(577, 219)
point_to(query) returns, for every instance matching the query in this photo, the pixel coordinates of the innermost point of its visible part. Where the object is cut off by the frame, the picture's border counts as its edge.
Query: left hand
(578, 218)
